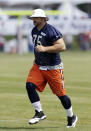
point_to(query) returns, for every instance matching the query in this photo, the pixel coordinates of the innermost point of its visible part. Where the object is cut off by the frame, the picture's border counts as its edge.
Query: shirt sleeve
(54, 35)
(32, 33)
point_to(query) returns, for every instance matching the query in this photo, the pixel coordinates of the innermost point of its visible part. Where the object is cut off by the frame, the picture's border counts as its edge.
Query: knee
(32, 94)
(30, 86)
(64, 98)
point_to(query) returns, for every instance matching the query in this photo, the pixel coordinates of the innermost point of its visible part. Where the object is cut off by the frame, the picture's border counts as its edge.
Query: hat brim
(31, 17)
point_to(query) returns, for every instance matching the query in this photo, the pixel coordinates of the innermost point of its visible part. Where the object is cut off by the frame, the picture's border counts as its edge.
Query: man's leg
(66, 102)
(35, 100)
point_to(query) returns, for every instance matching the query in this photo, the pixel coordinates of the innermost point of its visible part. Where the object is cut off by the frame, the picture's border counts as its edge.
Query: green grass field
(15, 108)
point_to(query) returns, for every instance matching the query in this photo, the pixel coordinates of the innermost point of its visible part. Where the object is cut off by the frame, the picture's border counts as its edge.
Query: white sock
(37, 106)
(69, 112)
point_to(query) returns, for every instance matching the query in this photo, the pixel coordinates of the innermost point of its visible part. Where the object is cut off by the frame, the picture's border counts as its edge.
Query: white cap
(38, 13)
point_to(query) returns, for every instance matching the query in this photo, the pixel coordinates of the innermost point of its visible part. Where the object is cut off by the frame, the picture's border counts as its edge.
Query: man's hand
(57, 47)
(40, 48)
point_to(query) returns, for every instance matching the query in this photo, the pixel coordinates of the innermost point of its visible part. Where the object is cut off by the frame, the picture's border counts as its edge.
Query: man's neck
(41, 26)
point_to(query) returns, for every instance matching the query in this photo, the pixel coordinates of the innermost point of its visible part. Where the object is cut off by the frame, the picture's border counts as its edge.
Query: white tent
(34, 2)
(71, 11)
(43, 2)
(80, 1)
(46, 2)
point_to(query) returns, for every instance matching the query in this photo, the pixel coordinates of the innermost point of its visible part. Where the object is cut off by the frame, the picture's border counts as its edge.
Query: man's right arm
(58, 46)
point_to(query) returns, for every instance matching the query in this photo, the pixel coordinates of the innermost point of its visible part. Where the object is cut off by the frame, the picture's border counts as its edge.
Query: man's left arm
(57, 46)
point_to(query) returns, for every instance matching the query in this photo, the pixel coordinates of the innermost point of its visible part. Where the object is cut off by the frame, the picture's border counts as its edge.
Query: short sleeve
(54, 34)
(32, 32)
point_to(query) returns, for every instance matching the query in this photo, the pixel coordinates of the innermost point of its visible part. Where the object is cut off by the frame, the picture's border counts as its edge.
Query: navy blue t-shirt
(46, 37)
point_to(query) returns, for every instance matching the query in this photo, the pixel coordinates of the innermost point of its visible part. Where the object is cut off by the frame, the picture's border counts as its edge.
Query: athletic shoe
(37, 117)
(72, 121)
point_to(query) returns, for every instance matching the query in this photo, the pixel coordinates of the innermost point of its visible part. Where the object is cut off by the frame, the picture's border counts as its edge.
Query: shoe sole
(74, 124)
(42, 118)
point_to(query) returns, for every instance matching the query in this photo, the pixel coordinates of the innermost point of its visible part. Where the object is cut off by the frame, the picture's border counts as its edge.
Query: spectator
(83, 39)
(68, 40)
(1, 43)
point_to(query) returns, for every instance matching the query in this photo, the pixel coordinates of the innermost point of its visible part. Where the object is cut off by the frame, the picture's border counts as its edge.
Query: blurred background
(71, 17)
